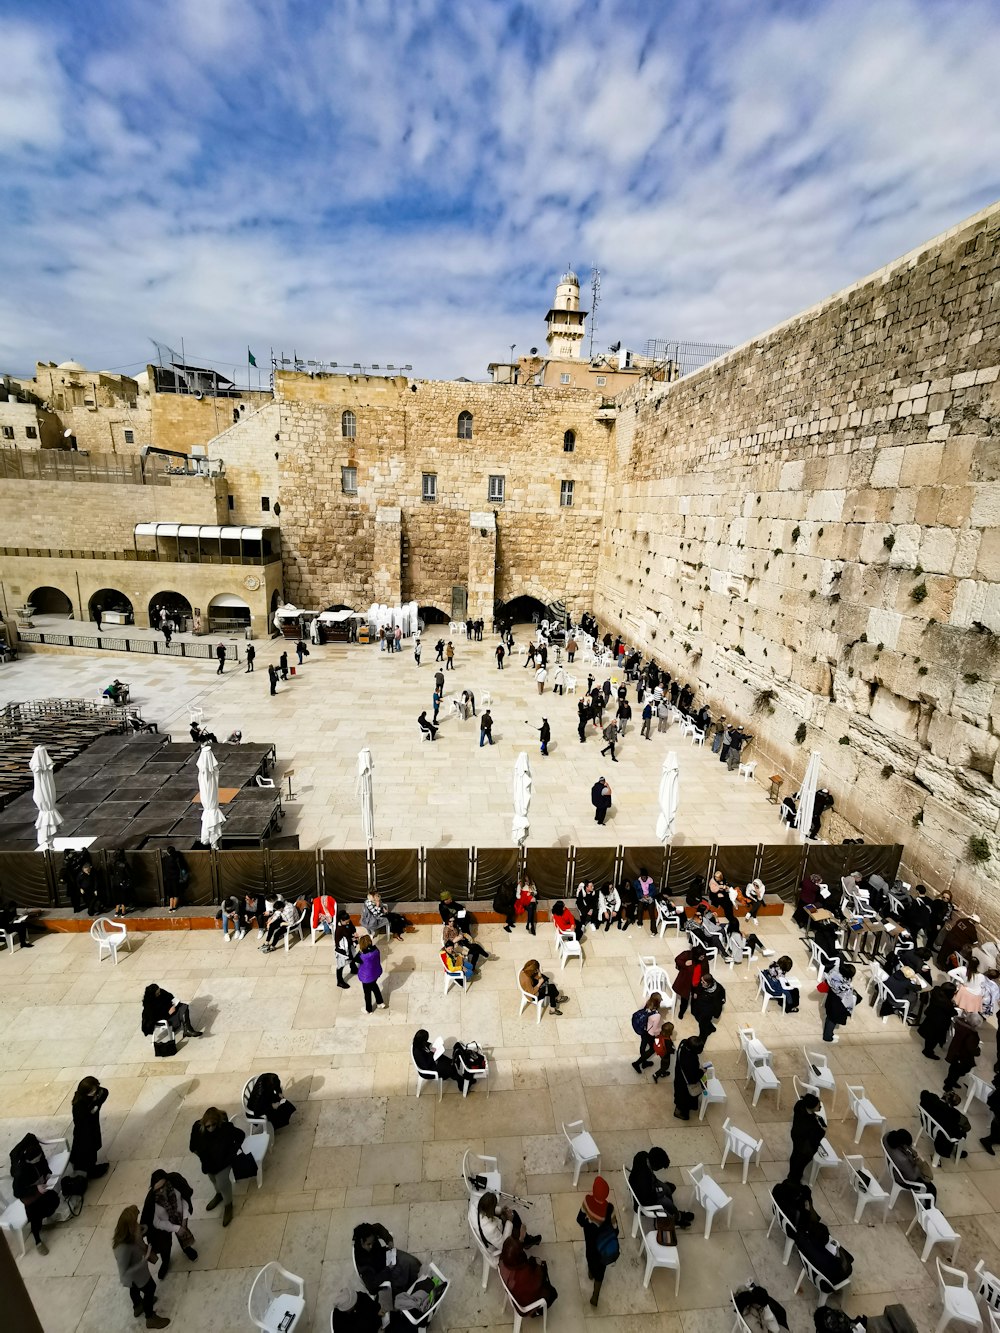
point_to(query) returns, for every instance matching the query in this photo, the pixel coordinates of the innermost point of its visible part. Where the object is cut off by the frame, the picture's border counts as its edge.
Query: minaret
(565, 320)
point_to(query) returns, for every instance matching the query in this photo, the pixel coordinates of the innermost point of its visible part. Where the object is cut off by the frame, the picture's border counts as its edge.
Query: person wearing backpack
(646, 1024)
(600, 1233)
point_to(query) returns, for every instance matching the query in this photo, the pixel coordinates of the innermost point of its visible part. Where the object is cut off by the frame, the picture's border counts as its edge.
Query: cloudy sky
(404, 180)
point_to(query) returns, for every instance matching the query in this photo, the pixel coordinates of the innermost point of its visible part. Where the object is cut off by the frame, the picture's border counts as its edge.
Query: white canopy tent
(669, 798)
(522, 798)
(44, 796)
(212, 818)
(807, 797)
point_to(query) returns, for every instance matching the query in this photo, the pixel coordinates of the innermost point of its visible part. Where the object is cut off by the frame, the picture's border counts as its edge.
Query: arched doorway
(524, 611)
(177, 607)
(111, 601)
(227, 613)
(431, 615)
(50, 602)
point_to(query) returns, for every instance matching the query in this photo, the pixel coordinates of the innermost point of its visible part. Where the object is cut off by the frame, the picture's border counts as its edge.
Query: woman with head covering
(379, 1260)
(355, 1312)
(937, 1018)
(691, 964)
(160, 1006)
(841, 998)
(600, 1233)
(808, 1132)
(87, 1102)
(268, 1102)
(687, 1077)
(524, 1276)
(216, 1142)
(443, 1065)
(132, 1256)
(166, 1212)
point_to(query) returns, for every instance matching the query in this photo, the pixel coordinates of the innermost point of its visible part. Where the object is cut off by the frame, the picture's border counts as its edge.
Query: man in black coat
(600, 799)
(808, 1132)
(707, 1003)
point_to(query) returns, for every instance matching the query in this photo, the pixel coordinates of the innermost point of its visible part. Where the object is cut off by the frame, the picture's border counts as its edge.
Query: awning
(336, 617)
(200, 530)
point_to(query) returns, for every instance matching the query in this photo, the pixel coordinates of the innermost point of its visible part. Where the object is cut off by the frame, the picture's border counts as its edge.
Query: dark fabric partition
(882, 861)
(345, 874)
(826, 860)
(685, 862)
(397, 873)
(146, 884)
(594, 864)
(547, 868)
(634, 859)
(24, 877)
(292, 873)
(240, 871)
(781, 870)
(447, 868)
(494, 866)
(737, 863)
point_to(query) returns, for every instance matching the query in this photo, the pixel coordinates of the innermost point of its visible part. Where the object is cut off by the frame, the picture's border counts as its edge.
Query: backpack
(640, 1020)
(606, 1243)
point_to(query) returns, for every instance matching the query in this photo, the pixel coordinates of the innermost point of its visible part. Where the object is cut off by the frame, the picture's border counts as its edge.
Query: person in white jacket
(609, 907)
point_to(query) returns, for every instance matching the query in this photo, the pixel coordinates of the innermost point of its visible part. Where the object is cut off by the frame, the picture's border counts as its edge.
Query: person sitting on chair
(426, 726)
(524, 1277)
(15, 923)
(650, 1191)
(564, 920)
(202, 737)
(759, 1310)
(462, 968)
(493, 1224)
(282, 917)
(912, 1172)
(533, 981)
(452, 933)
(773, 981)
(268, 1102)
(379, 1261)
(943, 1110)
(441, 1064)
(831, 1261)
(160, 1006)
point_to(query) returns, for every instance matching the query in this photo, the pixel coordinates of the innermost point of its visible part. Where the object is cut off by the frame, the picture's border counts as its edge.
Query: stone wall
(403, 430)
(249, 449)
(179, 420)
(807, 530)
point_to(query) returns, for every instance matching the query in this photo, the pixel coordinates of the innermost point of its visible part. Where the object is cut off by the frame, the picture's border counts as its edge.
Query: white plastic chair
(747, 770)
(766, 996)
(820, 960)
(276, 1311)
(753, 1048)
(930, 1127)
(786, 1229)
(13, 1217)
(297, 926)
(475, 1164)
(713, 1094)
(264, 782)
(539, 1001)
(741, 1145)
(863, 1109)
(422, 1320)
(162, 1032)
(458, 979)
(989, 1286)
(10, 937)
(740, 1325)
(896, 1182)
(897, 1008)
(765, 1080)
(817, 1278)
(525, 1311)
(571, 685)
(818, 1071)
(659, 1256)
(866, 1187)
(935, 1226)
(979, 1091)
(580, 1147)
(640, 1210)
(473, 1074)
(487, 700)
(956, 1298)
(709, 1194)
(697, 737)
(196, 713)
(655, 980)
(825, 1157)
(668, 915)
(427, 1076)
(110, 935)
(568, 946)
(255, 1122)
(258, 1143)
(737, 952)
(491, 1258)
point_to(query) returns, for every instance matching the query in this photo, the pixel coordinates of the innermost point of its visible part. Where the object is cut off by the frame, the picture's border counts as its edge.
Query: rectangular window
(130, 437)
(429, 487)
(8, 432)
(495, 492)
(31, 433)
(602, 380)
(349, 480)
(566, 494)
(265, 503)
(564, 379)
(232, 501)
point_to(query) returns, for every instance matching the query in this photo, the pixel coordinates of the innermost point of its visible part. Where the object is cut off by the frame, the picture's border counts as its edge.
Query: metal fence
(31, 879)
(124, 645)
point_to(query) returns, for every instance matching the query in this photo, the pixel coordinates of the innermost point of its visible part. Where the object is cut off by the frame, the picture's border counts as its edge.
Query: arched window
(348, 425)
(465, 425)
(569, 442)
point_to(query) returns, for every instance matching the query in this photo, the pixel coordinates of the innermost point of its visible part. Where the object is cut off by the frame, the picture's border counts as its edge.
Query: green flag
(251, 358)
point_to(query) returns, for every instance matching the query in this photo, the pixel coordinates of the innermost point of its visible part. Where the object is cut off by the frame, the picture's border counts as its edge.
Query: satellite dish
(534, 351)
(616, 347)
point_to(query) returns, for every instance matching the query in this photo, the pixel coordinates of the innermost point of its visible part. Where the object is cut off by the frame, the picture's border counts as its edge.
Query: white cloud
(30, 89)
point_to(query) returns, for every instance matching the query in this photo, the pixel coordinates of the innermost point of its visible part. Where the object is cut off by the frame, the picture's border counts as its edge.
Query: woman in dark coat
(87, 1102)
(687, 1075)
(691, 965)
(964, 1049)
(121, 883)
(959, 939)
(268, 1102)
(937, 1019)
(505, 904)
(160, 1006)
(596, 1215)
(707, 1003)
(371, 1244)
(175, 875)
(424, 1058)
(808, 1132)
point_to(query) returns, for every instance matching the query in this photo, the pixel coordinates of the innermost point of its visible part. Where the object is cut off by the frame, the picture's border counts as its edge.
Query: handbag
(244, 1166)
(822, 988)
(665, 1232)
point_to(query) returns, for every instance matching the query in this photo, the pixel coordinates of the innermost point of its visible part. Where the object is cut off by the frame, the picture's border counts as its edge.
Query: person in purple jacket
(369, 971)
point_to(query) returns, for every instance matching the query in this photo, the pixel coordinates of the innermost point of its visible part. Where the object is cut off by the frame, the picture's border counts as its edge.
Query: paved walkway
(363, 1147)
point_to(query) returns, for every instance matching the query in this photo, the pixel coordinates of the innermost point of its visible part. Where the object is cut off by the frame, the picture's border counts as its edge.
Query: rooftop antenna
(595, 297)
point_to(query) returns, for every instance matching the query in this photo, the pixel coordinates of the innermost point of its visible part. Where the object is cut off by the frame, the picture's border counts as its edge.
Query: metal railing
(109, 643)
(207, 557)
(116, 469)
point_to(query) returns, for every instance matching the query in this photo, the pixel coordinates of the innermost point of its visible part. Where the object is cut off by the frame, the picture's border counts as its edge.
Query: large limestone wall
(404, 429)
(179, 420)
(808, 529)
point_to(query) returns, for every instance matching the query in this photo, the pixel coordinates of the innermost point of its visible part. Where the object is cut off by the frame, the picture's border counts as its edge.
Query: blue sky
(404, 180)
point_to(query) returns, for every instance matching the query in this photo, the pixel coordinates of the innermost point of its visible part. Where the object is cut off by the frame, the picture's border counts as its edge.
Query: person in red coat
(692, 964)
(524, 1276)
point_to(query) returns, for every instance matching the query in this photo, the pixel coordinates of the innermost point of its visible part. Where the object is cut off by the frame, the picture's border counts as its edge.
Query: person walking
(439, 650)
(583, 717)
(251, 654)
(646, 1030)
(572, 648)
(937, 1019)
(301, 650)
(166, 1211)
(417, 647)
(610, 734)
(283, 665)
(707, 1002)
(545, 735)
(624, 715)
(647, 722)
(439, 681)
(500, 656)
(808, 1132)
(600, 799)
(449, 657)
(540, 677)
(841, 997)
(369, 971)
(600, 1234)
(132, 1255)
(662, 715)
(217, 1142)
(688, 1072)
(220, 653)
(963, 1052)
(663, 1046)
(485, 728)
(436, 699)
(529, 660)
(272, 675)
(167, 629)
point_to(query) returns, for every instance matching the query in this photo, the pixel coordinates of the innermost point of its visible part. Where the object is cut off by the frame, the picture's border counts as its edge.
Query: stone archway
(228, 612)
(525, 609)
(47, 601)
(176, 605)
(432, 615)
(111, 600)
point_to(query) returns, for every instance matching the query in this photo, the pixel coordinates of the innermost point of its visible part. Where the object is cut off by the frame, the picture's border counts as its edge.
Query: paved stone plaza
(362, 1146)
(449, 793)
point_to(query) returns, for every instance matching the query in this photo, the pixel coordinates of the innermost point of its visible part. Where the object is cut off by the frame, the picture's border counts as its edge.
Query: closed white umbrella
(44, 796)
(670, 791)
(522, 798)
(807, 797)
(363, 787)
(212, 818)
